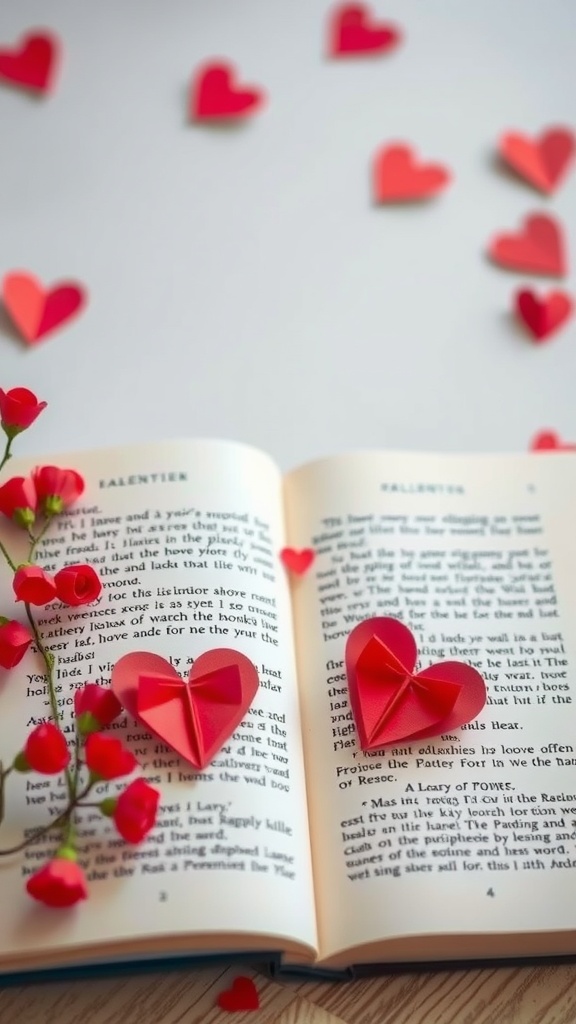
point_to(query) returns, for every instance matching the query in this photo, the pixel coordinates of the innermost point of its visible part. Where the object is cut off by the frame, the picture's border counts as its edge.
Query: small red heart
(297, 561)
(537, 248)
(544, 161)
(543, 316)
(352, 33)
(389, 703)
(399, 177)
(33, 64)
(195, 716)
(548, 440)
(35, 310)
(242, 995)
(213, 94)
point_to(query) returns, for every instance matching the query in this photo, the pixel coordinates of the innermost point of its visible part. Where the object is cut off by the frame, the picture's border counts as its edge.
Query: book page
(186, 538)
(469, 832)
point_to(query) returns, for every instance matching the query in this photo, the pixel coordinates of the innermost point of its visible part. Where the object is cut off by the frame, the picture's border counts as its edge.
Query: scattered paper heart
(398, 177)
(549, 440)
(542, 162)
(242, 995)
(195, 716)
(542, 316)
(33, 63)
(389, 703)
(37, 311)
(297, 561)
(215, 96)
(538, 247)
(354, 33)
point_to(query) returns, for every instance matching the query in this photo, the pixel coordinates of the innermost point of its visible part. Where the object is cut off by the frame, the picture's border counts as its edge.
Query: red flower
(46, 750)
(107, 758)
(33, 585)
(95, 706)
(18, 409)
(57, 488)
(78, 584)
(60, 883)
(14, 642)
(18, 500)
(135, 810)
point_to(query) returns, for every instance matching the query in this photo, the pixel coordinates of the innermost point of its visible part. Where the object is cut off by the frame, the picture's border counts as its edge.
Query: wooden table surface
(537, 995)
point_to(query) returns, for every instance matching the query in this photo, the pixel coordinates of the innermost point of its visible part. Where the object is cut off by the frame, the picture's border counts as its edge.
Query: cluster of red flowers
(61, 882)
(46, 493)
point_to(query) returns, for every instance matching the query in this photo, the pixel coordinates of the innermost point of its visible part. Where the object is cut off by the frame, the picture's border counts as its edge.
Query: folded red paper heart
(389, 702)
(543, 161)
(194, 716)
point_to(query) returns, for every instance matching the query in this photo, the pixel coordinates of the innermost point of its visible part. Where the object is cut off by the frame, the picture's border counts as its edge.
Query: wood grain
(537, 995)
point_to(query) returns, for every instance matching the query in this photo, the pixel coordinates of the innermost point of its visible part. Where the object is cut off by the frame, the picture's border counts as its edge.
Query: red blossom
(46, 750)
(56, 488)
(33, 585)
(18, 500)
(78, 584)
(107, 758)
(15, 640)
(19, 407)
(95, 706)
(135, 811)
(60, 883)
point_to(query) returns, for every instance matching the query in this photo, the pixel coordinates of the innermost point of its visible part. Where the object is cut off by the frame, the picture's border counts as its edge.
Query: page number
(163, 897)
(490, 892)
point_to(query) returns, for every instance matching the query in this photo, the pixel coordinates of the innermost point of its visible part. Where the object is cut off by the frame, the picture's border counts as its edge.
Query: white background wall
(242, 284)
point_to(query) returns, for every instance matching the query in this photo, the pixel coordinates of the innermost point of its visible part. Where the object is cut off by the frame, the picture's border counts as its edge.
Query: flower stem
(36, 540)
(7, 453)
(63, 819)
(7, 557)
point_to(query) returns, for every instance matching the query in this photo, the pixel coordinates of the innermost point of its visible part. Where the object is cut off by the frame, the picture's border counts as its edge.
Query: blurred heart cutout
(215, 95)
(389, 703)
(550, 441)
(33, 64)
(542, 162)
(543, 315)
(398, 177)
(537, 248)
(194, 716)
(35, 310)
(242, 995)
(297, 562)
(353, 33)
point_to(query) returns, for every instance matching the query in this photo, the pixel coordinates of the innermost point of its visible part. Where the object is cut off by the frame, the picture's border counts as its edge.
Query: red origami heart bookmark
(194, 716)
(389, 702)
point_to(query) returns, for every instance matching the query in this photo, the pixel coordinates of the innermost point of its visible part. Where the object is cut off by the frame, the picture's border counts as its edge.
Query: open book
(292, 843)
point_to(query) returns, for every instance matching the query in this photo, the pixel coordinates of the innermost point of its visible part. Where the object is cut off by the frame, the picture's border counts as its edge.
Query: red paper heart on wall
(544, 161)
(538, 247)
(389, 703)
(195, 716)
(543, 316)
(37, 311)
(354, 33)
(214, 94)
(242, 995)
(33, 64)
(398, 177)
